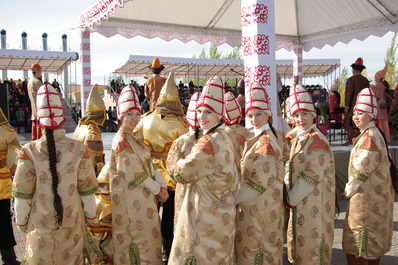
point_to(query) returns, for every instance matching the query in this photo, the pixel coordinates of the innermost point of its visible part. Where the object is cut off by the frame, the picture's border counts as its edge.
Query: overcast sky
(59, 17)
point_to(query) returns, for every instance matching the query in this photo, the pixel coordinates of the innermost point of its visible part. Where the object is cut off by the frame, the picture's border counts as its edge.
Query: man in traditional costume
(54, 188)
(154, 84)
(33, 85)
(159, 129)
(311, 186)
(368, 226)
(8, 144)
(354, 85)
(88, 132)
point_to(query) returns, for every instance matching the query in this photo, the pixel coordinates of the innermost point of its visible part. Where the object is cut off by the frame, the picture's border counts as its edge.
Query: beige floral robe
(368, 223)
(135, 220)
(205, 231)
(238, 135)
(259, 227)
(32, 184)
(180, 148)
(311, 185)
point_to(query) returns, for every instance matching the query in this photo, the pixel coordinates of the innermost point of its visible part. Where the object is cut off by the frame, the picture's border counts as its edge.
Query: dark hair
(197, 133)
(52, 159)
(215, 127)
(393, 170)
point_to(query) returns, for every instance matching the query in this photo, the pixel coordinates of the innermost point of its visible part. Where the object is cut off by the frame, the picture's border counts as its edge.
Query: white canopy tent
(311, 23)
(50, 61)
(137, 65)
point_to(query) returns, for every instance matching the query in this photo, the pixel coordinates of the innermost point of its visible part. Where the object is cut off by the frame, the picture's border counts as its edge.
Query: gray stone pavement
(391, 258)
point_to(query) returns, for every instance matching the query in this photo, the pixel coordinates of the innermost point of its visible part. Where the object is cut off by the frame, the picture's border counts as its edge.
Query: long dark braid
(52, 159)
(197, 133)
(215, 127)
(393, 170)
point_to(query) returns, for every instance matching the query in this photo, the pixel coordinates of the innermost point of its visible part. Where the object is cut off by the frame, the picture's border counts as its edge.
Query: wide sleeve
(364, 162)
(24, 186)
(198, 164)
(173, 156)
(349, 91)
(317, 159)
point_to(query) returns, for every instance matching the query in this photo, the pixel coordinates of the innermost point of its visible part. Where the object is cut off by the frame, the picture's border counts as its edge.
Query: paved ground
(391, 258)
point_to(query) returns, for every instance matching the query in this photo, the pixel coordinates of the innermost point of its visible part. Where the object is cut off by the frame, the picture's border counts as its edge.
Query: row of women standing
(231, 212)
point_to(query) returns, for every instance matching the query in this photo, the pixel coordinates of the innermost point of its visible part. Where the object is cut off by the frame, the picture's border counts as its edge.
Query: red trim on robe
(23, 155)
(318, 143)
(265, 147)
(368, 142)
(123, 145)
(205, 145)
(240, 139)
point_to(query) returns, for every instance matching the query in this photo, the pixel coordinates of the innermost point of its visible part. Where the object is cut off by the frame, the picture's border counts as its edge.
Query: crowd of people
(228, 194)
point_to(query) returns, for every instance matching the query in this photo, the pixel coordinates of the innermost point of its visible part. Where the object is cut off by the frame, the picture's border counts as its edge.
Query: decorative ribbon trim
(104, 244)
(138, 180)
(321, 253)
(22, 195)
(313, 181)
(180, 179)
(190, 260)
(88, 191)
(255, 186)
(94, 248)
(362, 242)
(358, 175)
(134, 254)
(259, 258)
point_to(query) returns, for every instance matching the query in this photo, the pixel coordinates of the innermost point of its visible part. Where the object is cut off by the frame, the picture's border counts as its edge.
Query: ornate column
(258, 43)
(86, 69)
(298, 63)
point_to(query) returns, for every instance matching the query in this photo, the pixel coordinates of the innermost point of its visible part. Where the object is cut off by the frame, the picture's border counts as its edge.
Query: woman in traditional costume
(368, 226)
(205, 231)
(259, 237)
(180, 148)
(311, 186)
(54, 188)
(8, 144)
(134, 186)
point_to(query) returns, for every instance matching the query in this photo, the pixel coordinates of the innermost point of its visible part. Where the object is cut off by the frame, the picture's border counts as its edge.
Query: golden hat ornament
(367, 102)
(212, 96)
(300, 99)
(257, 98)
(169, 90)
(49, 107)
(94, 101)
(233, 112)
(128, 101)
(191, 111)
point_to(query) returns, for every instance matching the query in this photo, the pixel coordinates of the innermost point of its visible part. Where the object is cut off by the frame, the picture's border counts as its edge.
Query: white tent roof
(137, 65)
(50, 61)
(313, 23)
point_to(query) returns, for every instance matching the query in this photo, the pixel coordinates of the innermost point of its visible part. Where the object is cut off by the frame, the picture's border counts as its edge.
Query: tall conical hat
(191, 111)
(382, 73)
(300, 99)
(335, 86)
(156, 65)
(128, 101)
(257, 98)
(212, 96)
(49, 107)
(169, 100)
(233, 112)
(367, 102)
(241, 83)
(95, 108)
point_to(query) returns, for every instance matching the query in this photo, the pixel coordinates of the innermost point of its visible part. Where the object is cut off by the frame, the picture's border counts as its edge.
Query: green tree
(391, 61)
(343, 80)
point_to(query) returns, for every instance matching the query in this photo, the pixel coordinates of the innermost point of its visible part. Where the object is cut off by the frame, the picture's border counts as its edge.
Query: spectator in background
(380, 90)
(109, 112)
(33, 85)
(114, 113)
(55, 85)
(20, 116)
(154, 84)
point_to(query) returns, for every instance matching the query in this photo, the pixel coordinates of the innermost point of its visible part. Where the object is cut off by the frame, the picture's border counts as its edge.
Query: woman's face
(303, 119)
(206, 117)
(257, 118)
(130, 120)
(361, 119)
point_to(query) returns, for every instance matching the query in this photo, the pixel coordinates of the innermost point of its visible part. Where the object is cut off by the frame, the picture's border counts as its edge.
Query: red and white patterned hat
(300, 99)
(212, 96)
(191, 111)
(49, 107)
(367, 102)
(257, 98)
(233, 112)
(128, 101)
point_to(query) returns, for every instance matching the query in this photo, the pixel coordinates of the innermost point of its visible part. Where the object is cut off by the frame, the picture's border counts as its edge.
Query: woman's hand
(163, 195)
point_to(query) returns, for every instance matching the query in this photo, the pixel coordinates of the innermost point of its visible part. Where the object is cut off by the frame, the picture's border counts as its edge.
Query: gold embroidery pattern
(138, 180)
(180, 179)
(88, 191)
(358, 175)
(190, 260)
(94, 248)
(259, 258)
(22, 195)
(309, 179)
(134, 254)
(321, 253)
(256, 186)
(362, 242)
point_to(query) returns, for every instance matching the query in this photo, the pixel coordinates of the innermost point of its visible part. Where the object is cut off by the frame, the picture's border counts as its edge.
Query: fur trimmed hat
(233, 112)
(191, 111)
(156, 67)
(49, 108)
(257, 98)
(128, 101)
(212, 96)
(300, 99)
(367, 102)
(358, 65)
